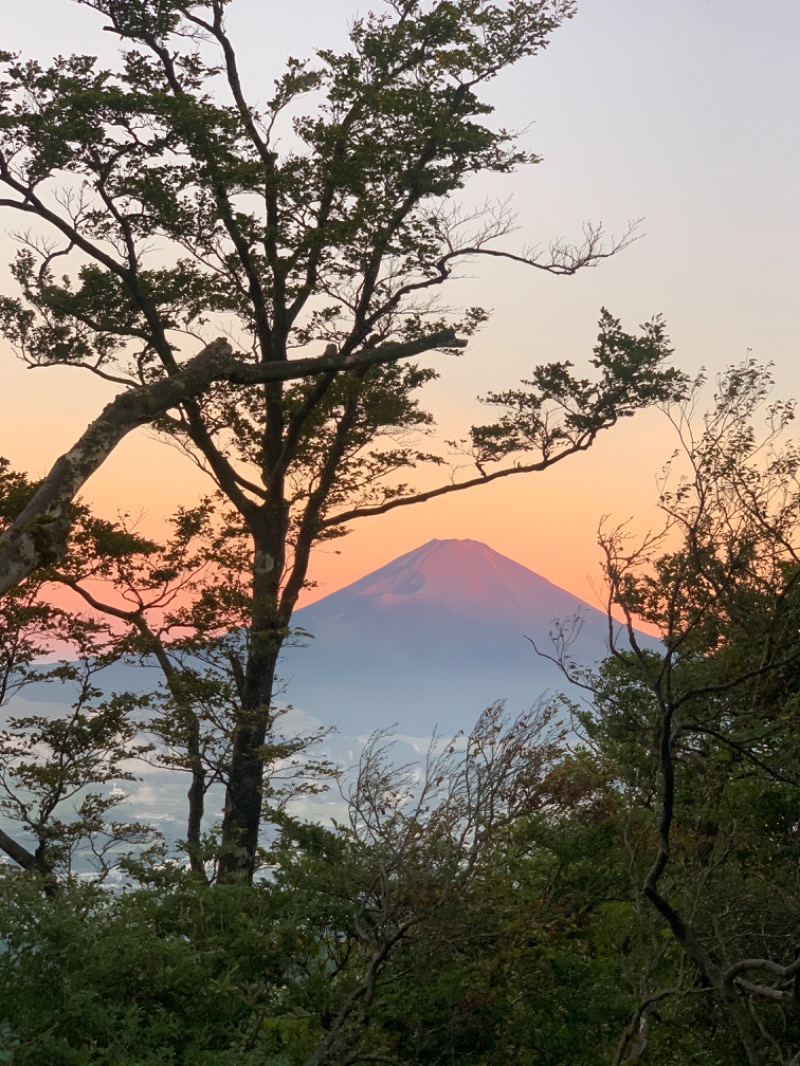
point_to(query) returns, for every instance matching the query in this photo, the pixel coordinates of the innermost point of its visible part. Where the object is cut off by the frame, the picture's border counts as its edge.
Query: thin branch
(443, 490)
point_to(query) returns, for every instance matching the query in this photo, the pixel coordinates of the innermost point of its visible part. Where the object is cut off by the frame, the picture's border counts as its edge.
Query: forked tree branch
(38, 536)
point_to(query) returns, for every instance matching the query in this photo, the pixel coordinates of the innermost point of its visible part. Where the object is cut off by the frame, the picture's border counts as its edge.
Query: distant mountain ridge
(434, 635)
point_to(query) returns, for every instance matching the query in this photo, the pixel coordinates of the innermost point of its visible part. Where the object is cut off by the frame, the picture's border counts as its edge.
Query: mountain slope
(433, 637)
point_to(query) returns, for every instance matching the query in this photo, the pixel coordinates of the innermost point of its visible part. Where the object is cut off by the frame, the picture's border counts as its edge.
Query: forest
(609, 881)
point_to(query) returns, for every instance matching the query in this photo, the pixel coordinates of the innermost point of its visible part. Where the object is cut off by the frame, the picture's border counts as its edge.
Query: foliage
(312, 964)
(56, 769)
(701, 734)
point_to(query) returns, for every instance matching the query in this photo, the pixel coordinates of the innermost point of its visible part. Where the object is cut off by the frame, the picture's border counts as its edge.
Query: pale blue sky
(683, 112)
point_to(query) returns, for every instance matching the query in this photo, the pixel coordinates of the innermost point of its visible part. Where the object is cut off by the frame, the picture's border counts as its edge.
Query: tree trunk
(196, 796)
(244, 793)
(243, 798)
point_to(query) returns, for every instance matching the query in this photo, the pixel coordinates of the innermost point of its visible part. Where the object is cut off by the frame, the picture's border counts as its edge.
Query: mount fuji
(434, 637)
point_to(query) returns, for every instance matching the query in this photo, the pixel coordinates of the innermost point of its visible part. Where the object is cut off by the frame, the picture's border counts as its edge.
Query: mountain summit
(462, 576)
(434, 636)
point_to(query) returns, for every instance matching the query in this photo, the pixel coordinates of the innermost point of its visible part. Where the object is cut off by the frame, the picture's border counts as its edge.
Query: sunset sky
(682, 113)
